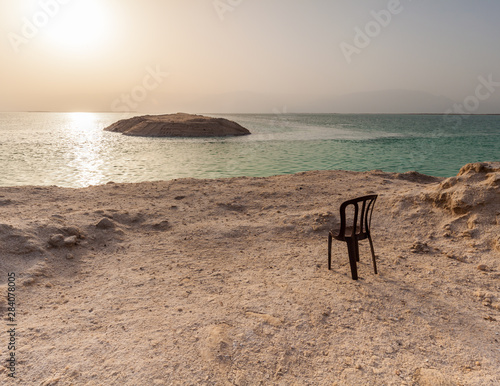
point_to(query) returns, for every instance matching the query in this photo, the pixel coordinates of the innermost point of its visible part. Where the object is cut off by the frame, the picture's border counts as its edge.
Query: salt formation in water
(178, 125)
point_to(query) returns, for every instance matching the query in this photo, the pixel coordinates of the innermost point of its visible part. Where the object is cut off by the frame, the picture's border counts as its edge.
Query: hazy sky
(249, 55)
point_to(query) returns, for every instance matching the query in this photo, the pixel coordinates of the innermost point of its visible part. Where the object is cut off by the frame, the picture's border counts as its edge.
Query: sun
(81, 25)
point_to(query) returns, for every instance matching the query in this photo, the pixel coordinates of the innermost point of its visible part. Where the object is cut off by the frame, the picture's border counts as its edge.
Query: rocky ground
(217, 282)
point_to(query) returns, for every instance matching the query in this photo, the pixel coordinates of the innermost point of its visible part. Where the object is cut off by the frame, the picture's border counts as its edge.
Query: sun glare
(82, 120)
(80, 26)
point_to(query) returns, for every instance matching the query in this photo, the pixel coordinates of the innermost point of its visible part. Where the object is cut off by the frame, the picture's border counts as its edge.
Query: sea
(72, 149)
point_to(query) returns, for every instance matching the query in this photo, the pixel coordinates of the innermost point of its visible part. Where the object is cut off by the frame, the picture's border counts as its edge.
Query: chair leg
(329, 251)
(373, 254)
(351, 247)
(356, 249)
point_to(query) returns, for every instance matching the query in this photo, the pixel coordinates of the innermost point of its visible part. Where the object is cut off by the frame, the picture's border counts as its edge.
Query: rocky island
(177, 125)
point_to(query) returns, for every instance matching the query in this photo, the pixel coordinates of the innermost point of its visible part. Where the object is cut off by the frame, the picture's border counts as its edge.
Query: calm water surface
(72, 150)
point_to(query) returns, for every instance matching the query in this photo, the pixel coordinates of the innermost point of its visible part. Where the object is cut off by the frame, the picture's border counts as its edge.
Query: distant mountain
(387, 101)
(384, 101)
(231, 102)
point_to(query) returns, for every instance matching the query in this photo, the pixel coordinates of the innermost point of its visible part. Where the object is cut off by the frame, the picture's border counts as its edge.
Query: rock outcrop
(473, 198)
(476, 187)
(178, 125)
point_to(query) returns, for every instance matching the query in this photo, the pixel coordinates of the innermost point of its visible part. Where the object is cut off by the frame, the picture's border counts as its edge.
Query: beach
(225, 281)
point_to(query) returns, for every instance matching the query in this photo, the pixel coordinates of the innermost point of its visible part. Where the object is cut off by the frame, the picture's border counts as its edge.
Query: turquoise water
(72, 150)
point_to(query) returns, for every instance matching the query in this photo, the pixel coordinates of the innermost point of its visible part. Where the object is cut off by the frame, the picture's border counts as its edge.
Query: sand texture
(225, 282)
(178, 125)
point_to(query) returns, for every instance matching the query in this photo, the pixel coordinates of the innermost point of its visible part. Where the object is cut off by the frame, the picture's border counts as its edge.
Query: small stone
(56, 240)
(483, 267)
(432, 377)
(467, 234)
(105, 223)
(419, 247)
(162, 225)
(70, 256)
(29, 281)
(70, 241)
(72, 231)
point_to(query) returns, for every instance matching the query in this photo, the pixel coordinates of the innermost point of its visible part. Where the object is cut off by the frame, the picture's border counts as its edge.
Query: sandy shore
(215, 282)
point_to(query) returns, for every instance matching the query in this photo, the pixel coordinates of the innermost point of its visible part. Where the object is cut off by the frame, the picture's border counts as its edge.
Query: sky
(236, 56)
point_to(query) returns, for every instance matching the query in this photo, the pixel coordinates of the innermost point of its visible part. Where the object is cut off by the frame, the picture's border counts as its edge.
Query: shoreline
(223, 281)
(228, 178)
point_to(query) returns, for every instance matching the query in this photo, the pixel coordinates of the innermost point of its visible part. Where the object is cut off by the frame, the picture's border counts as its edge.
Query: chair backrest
(360, 228)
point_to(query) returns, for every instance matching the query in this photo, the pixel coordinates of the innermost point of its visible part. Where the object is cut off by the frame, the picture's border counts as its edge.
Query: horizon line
(244, 113)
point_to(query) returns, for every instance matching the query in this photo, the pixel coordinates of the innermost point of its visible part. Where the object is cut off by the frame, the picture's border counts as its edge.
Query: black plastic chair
(360, 230)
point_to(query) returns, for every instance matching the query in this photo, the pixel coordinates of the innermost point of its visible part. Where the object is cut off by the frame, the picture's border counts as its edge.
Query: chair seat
(347, 234)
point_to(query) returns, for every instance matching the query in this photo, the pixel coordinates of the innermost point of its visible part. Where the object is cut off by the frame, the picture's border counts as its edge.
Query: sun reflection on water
(82, 120)
(85, 148)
